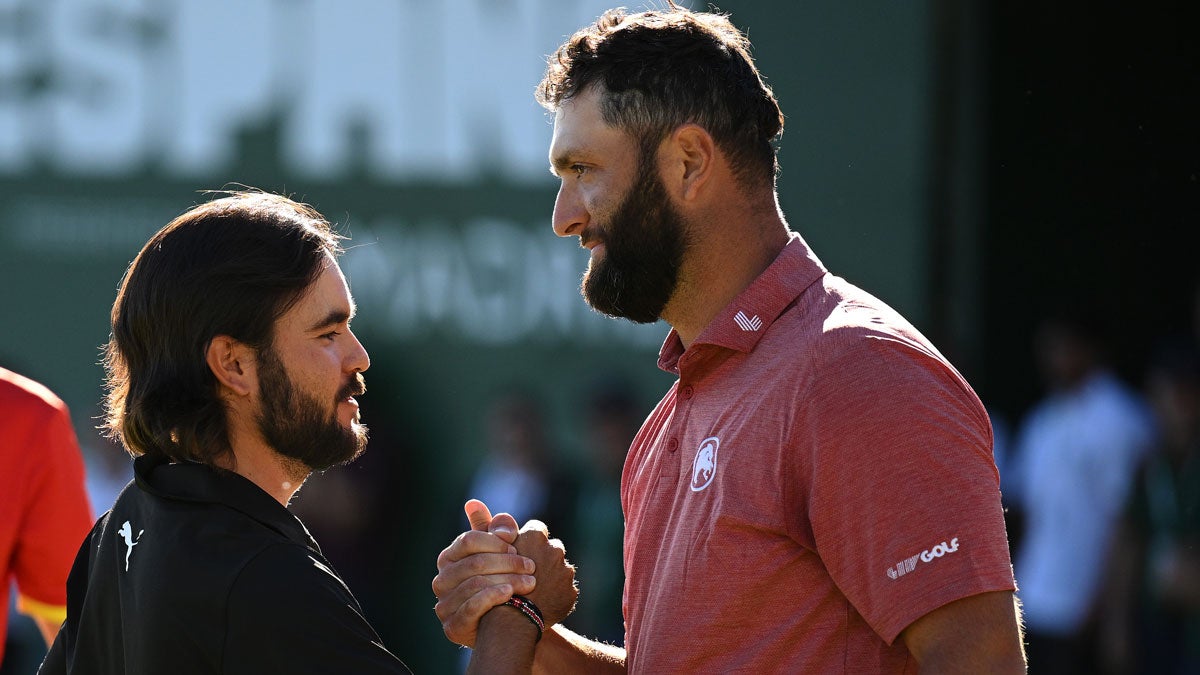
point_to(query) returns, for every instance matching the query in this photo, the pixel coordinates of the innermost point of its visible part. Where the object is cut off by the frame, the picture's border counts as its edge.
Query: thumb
(505, 527)
(478, 514)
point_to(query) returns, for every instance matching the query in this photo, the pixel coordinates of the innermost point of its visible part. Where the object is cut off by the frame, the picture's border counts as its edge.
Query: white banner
(395, 89)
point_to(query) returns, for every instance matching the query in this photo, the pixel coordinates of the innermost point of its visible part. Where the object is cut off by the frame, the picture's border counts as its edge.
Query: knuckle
(476, 565)
(475, 584)
(535, 527)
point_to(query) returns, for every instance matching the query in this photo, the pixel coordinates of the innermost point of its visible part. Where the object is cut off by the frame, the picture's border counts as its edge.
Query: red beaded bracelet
(530, 611)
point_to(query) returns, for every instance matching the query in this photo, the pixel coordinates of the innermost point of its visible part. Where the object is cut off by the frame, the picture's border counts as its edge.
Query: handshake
(483, 568)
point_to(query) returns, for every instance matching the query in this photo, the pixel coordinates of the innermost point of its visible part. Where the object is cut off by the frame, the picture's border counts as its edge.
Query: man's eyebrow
(561, 161)
(335, 317)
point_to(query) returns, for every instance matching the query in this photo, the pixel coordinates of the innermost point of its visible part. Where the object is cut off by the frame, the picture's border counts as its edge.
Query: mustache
(356, 387)
(588, 236)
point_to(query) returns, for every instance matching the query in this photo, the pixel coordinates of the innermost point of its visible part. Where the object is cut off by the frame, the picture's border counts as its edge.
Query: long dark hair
(231, 266)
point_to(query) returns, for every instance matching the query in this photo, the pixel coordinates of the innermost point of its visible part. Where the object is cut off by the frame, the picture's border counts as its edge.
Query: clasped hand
(488, 564)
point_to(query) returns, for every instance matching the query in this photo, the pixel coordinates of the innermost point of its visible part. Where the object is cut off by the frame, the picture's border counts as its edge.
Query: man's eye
(330, 335)
(579, 169)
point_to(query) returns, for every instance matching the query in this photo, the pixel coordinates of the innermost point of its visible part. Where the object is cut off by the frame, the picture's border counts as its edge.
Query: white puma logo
(126, 533)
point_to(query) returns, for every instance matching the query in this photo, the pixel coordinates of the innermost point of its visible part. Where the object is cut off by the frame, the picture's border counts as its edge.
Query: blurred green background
(959, 160)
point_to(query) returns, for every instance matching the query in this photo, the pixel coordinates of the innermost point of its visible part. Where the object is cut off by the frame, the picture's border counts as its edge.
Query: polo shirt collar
(199, 483)
(747, 318)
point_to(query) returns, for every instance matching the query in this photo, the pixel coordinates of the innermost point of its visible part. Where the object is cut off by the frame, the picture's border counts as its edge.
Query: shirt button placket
(685, 394)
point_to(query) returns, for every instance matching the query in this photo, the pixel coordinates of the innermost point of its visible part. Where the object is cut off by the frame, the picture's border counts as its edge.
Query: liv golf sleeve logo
(928, 555)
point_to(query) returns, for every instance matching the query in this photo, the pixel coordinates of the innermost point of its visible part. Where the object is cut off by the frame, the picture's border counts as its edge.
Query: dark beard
(296, 425)
(644, 242)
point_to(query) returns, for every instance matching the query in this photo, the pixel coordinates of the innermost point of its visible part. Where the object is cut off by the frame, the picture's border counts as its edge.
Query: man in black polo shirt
(232, 372)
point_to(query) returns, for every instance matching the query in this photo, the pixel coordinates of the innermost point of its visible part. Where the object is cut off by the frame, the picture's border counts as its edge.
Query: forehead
(580, 110)
(328, 295)
(580, 128)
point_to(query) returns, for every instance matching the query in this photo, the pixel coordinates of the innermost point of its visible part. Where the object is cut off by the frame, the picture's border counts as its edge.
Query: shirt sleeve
(290, 613)
(55, 521)
(905, 502)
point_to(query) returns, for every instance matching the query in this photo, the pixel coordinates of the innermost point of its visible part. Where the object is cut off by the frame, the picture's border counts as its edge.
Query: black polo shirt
(197, 570)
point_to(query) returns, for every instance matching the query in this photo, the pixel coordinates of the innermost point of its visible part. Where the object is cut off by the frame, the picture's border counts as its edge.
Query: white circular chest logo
(704, 466)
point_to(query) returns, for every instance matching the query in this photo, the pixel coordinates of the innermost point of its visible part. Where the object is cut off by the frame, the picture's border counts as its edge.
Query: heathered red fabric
(818, 478)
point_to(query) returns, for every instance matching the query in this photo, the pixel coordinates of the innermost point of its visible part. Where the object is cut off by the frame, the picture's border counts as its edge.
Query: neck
(259, 463)
(728, 251)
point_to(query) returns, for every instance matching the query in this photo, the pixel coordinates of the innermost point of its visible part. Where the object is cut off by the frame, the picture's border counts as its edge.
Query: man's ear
(693, 154)
(233, 363)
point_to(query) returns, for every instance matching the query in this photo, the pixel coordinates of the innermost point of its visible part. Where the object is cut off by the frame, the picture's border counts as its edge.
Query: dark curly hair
(658, 70)
(231, 266)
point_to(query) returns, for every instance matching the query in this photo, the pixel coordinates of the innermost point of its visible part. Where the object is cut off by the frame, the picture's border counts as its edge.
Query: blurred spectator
(1153, 625)
(345, 511)
(1005, 456)
(1076, 453)
(613, 418)
(44, 512)
(518, 474)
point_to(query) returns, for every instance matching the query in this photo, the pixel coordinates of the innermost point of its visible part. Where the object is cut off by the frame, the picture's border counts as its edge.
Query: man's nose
(570, 215)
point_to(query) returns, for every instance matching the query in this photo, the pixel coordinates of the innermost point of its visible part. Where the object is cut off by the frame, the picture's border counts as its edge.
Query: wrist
(530, 611)
(505, 643)
(507, 621)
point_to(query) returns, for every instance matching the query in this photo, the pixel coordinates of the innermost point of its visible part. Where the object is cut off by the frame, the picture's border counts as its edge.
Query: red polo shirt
(44, 512)
(818, 478)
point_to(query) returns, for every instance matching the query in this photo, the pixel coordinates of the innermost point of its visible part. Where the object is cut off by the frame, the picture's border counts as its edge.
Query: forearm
(504, 644)
(1007, 663)
(977, 634)
(563, 651)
